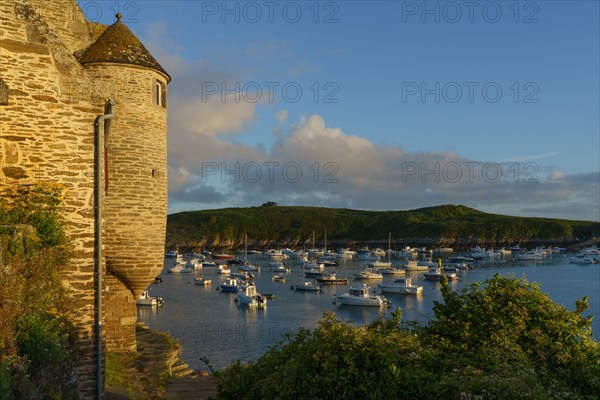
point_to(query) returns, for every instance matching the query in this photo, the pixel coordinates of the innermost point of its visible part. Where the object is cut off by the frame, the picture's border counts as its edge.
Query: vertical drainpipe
(101, 130)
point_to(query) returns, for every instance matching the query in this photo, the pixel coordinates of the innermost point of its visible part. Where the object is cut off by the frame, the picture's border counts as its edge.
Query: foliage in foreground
(36, 337)
(500, 339)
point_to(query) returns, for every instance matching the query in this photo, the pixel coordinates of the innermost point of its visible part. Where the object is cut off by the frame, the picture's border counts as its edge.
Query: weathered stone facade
(57, 71)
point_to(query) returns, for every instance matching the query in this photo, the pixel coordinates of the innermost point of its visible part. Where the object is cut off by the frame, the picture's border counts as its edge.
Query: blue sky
(494, 105)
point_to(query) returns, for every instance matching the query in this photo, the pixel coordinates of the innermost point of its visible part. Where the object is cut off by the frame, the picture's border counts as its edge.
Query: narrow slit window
(159, 92)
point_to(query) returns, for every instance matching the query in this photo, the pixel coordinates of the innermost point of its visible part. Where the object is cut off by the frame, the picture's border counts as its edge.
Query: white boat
(436, 273)
(278, 267)
(314, 267)
(232, 285)
(425, 251)
(443, 250)
(407, 252)
(331, 279)
(223, 269)
(194, 263)
(246, 276)
(367, 273)
(274, 254)
(278, 278)
(363, 251)
(413, 265)
(248, 267)
(378, 252)
(392, 271)
(250, 297)
(172, 254)
(344, 253)
(306, 286)
(202, 281)
(530, 255)
(147, 300)
(209, 264)
(583, 260)
(359, 296)
(380, 264)
(368, 258)
(400, 285)
(178, 269)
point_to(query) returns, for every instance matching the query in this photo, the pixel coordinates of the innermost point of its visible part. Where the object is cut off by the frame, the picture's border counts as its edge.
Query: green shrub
(36, 337)
(502, 339)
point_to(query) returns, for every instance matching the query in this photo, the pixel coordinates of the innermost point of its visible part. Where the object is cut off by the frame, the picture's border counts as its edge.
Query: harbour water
(210, 324)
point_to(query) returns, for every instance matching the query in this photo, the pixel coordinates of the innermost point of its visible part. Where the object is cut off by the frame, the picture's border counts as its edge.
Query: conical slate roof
(117, 44)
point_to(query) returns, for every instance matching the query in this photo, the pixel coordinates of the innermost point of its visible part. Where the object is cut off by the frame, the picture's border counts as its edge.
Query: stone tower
(135, 202)
(56, 72)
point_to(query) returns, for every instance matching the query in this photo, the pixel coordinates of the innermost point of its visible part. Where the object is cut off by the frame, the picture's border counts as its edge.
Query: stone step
(178, 366)
(183, 373)
(180, 369)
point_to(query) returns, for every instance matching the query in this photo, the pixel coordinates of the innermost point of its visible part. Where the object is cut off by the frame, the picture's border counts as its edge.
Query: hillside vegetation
(294, 226)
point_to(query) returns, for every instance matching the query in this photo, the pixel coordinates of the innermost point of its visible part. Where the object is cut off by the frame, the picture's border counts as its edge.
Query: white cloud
(212, 116)
(327, 167)
(281, 116)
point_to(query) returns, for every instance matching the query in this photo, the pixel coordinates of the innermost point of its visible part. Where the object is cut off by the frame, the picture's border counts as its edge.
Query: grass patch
(114, 364)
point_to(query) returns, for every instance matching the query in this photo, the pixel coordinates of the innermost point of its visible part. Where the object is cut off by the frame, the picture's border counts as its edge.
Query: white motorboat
(202, 281)
(279, 268)
(246, 276)
(378, 252)
(413, 265)
(209, 264)
(368, 258)
(178, 269)
(401, 285)
(367, 273)
(331, 279)
(194, 263)
(359, 296)
(248, 267)
(436, 273)
(407, 252)
(580, 259)
(275, 254)
(530, 255)
(250, 297)
(232, 285)
(223, 269)
(306, 286)
(380, 264)
(344, 253)
(392, 271)
(172, 254)
(147, 300)
(314, 267)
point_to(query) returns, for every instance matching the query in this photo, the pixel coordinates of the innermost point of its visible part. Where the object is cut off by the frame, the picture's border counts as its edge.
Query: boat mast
(325, 241)
(389, 247)
(246, 248)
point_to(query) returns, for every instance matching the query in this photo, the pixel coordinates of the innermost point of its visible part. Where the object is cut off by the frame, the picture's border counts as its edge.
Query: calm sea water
(208, 323)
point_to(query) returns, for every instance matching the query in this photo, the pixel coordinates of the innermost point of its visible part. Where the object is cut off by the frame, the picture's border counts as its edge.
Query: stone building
(57, 71)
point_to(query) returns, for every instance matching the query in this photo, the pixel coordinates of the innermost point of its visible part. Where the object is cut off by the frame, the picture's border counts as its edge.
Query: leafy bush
(500, 339)
(36, 337)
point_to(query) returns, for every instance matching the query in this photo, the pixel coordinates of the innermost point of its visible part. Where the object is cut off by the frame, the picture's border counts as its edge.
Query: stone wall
(47, 134)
